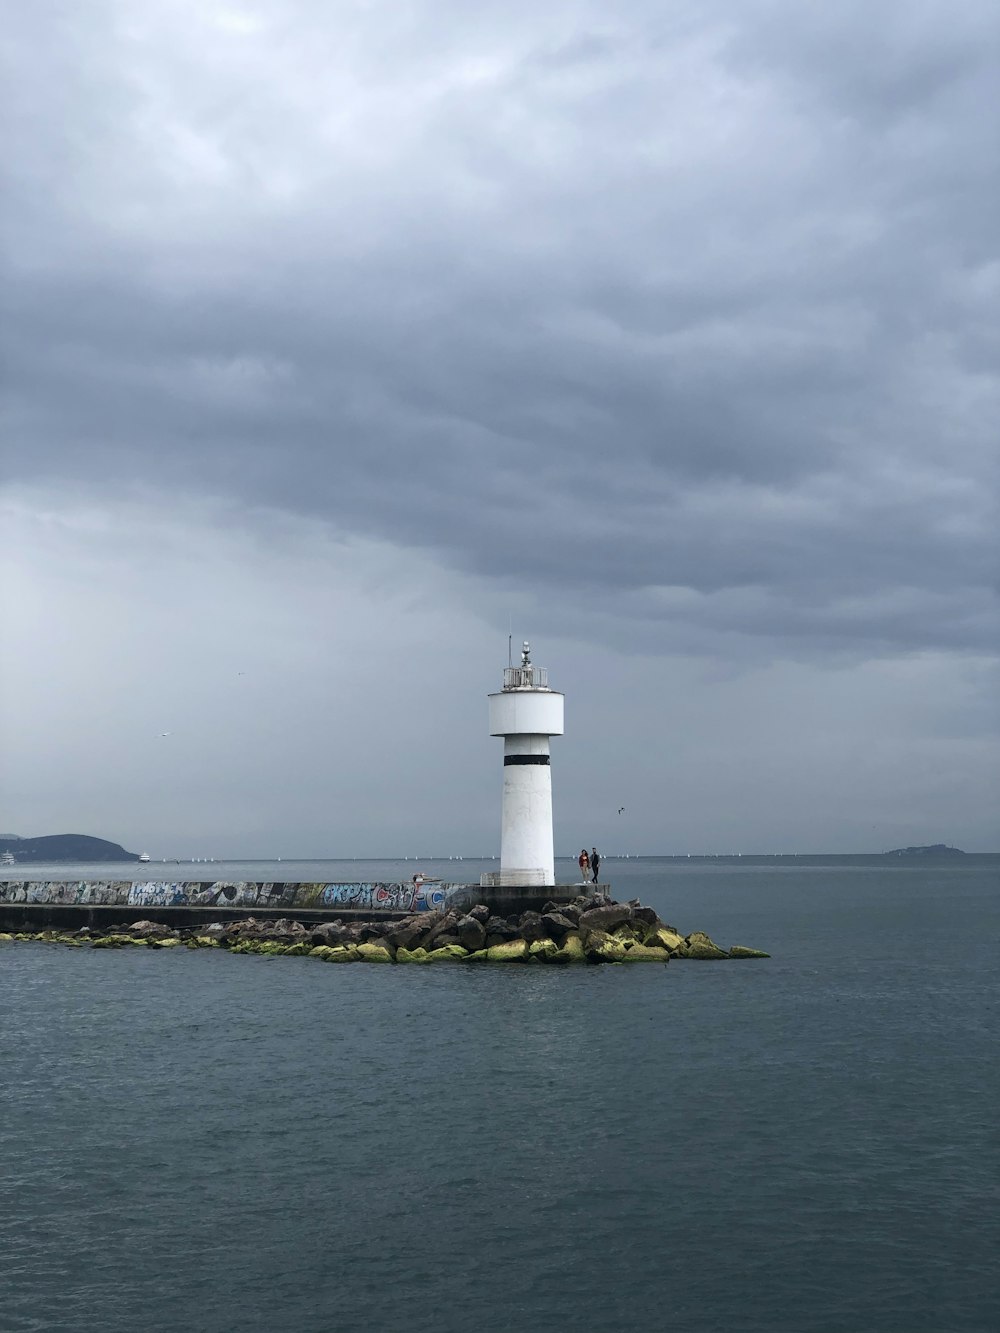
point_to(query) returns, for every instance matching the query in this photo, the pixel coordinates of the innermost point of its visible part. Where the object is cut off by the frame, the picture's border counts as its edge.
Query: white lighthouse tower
(526, 713)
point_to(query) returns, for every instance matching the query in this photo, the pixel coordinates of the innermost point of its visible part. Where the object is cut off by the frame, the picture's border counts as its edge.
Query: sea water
(804, 1144)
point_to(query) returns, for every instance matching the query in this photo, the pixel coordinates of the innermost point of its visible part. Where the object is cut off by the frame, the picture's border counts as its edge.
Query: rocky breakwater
(588, 930)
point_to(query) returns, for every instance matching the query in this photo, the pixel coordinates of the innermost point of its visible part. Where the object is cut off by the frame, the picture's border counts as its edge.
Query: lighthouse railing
(525, 678)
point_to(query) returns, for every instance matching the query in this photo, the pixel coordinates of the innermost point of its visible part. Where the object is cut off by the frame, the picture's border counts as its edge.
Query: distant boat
(144, 856)
(7, 859)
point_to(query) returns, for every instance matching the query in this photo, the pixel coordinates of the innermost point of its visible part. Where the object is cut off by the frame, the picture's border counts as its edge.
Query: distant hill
(935, 849)
(63, 847)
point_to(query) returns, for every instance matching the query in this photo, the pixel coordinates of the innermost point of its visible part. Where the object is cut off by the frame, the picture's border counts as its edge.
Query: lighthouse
(526, 713)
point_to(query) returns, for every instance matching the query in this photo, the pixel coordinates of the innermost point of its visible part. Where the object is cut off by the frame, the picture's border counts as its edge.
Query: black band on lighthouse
(525, 759)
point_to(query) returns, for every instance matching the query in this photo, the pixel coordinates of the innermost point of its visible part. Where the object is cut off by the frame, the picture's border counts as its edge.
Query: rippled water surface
(194, 1141)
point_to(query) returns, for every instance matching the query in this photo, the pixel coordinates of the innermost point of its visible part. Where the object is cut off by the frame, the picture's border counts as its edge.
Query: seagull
(165, 733)
(621, 809)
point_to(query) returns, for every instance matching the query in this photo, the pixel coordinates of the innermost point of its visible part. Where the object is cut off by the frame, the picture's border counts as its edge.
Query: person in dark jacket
(595, 862)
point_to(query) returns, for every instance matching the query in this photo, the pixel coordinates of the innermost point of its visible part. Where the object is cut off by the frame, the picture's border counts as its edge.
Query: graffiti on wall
(384, 897)
(157, 893)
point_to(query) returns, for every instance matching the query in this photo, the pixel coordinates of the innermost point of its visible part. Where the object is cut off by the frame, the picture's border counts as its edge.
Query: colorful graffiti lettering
(157, 893)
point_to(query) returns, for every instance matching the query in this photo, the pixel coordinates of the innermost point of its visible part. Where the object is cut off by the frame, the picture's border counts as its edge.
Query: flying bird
(165, 733)
(621, 809)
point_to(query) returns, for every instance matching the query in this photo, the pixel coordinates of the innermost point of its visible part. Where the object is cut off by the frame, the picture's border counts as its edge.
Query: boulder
(626, 935)
(471, 933)
(206, 942)
(600, 947)
(151, 929)
(447, 953)
(285, 928)
(509, 951)
(440, 925)
(642, 953)
(447, 940)
(404, 934)
(330, 932)
(698, 945)
(163, 942)
(481, 912)
(571, 912)
(532, 928)
(404, 955)
(664, 938)
(502, 929)
(604, 918)
(343, 953)
(557, 924)
(741, 951)
(375, 952)
(542, 949)
(646, 915)
(571, 950)
(373, 930)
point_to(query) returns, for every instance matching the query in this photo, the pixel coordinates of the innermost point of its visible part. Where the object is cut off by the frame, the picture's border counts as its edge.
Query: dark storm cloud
(686, 316)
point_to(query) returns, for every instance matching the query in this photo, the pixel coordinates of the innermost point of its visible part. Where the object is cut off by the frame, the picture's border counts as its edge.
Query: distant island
(935, 849)
(62, 847)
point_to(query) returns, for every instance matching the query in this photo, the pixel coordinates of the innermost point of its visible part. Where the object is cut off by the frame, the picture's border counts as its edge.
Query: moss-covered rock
(644, 953)
(571, 950)
(301, 950)
(510, 951)
(411, 955)
(625, 935)
(699, 945)
(662, 938)
(542, 949)
(343, 953)
(477, 956)
(447, 953)
(205, 942)
(4, 937)
(600, 947)
(167, 942)
(374, 951)
(740, 951)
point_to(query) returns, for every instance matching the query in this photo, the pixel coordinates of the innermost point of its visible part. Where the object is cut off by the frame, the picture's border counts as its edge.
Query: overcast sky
(342, 339)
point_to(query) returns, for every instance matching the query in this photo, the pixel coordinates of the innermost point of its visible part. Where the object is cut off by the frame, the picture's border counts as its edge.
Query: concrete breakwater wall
(66, 904)
(242, 894)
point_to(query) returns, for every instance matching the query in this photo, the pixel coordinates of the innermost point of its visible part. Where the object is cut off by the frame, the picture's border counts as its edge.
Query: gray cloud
(678, 323)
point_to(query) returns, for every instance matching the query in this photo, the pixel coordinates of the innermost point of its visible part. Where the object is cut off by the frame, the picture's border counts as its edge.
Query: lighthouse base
(535, 878)
(506, 899)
